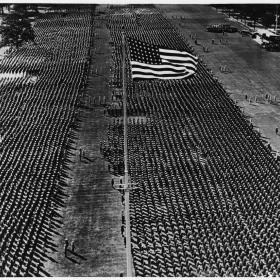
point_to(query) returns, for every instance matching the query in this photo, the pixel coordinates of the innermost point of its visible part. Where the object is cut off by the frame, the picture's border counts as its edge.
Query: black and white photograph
(139, 140)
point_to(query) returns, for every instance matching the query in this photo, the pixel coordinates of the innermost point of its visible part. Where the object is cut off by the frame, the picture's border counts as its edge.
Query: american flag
(153, 62)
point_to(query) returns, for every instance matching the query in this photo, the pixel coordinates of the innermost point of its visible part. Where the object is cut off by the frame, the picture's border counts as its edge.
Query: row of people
(38, 122)
(207, 202)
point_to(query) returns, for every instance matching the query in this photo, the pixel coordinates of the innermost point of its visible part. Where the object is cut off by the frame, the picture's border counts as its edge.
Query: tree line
(262, 13)
(16, 28)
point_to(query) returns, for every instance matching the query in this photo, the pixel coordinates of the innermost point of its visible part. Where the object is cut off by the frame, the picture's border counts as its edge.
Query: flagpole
(126, 183)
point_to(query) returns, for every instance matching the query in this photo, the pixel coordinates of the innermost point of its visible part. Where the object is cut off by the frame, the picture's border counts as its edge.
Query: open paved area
(253, 71)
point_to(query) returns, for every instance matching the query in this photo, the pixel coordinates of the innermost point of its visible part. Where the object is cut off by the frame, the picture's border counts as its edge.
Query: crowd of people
(208, 197)
(38, 121)
(207, 201)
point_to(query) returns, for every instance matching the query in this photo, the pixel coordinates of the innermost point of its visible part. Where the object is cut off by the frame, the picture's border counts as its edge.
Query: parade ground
(62, 215)
(92, 216)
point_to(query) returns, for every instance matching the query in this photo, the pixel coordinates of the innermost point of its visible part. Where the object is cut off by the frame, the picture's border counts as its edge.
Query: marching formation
(38, 118)
(208, 196)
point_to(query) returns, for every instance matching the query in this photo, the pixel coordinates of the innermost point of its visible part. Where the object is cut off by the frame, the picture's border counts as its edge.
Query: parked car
(271, 46)
(219, 28)
(246, 32)
(274, 39)
(255, 34)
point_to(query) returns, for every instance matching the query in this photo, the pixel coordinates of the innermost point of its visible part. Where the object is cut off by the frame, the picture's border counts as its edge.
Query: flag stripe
(162, 77)
(181, 58)
(175, 52)
(156, 74)
(161, 72)
(178, 58)
(185, 65)
(159, 67)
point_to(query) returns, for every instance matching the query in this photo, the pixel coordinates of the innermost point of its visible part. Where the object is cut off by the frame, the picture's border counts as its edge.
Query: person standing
(122, 230)
(66, 244)
(39, 265)
(73, 246)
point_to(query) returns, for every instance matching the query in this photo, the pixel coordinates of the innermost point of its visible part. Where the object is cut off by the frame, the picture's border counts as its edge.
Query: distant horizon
(181, 2)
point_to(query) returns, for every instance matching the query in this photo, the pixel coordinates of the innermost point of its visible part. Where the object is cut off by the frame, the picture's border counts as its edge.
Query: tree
(16, 27)
(255, 13)
(2, 8)
(268, 20)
